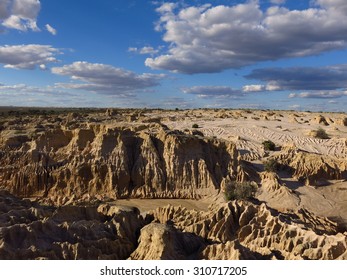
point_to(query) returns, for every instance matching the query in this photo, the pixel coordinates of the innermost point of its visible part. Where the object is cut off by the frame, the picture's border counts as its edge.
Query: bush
(271, 165)
(195, 125)
(321, 134)
(236, 190)
(269, 145)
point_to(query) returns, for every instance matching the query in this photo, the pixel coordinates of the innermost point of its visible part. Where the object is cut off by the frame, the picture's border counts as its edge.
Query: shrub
(197, 133)
(271, 165)
(269, 145)
(236, 190)
(195, 125)
(321, 134)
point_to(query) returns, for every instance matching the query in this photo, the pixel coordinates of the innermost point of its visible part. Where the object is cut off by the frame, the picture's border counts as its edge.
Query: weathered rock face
(312, 168)
(233, 230)
(99, 161)
(164, 242)
(276, 193)
(242, 230)
(31, 231)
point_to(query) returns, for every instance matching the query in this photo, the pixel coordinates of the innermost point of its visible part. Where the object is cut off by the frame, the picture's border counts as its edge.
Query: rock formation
(276, 193)
(31, 231)
(164, 242)
(313, 169)
(141, 161)
(233, 230)
(64, 177)
(242, 230)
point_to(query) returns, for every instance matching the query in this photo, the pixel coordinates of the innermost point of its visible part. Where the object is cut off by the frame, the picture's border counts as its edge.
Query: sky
(257, 54)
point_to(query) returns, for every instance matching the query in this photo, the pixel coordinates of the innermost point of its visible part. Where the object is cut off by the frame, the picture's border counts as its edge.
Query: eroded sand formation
(65, 178)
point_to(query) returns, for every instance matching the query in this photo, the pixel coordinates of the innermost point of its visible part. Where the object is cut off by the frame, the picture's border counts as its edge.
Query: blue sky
(273, 54)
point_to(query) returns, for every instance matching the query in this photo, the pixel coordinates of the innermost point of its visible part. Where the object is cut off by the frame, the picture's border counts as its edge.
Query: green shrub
(271, 165)
(321, 134)
(195, 125)
(236, 190)
(269, 145)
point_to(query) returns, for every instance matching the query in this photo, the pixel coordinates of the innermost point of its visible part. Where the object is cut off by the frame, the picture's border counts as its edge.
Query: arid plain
(172, 184)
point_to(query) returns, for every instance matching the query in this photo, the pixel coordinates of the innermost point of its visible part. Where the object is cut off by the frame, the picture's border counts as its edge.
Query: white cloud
(319, 94)
(23, 89)
(303, 78)
(259, 88)
(132, 49)
(106, 79)
(254, 88)
(336, 5)
(20, 14)
(213, 91)
(211, 39)
(27, 56)
(46, 96)
(50, 29)
(145, 50)
(148, 50)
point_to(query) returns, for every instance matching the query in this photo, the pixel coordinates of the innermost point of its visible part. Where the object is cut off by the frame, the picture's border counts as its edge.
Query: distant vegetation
(195, 125)
(236, 190)
(269, 145)
(271, 165)
(27, 111)
(321, 134)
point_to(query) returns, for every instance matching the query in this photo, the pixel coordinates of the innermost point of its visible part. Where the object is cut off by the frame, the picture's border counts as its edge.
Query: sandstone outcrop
(31, 231)
(341, 121)
(319, 120)
(66, 176)
(276, 193)
(242, 230)
(313, 169)
(233, 230)
(164, 242)
(100, 161)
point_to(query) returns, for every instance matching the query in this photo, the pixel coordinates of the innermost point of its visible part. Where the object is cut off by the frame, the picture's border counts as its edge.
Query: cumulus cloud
(144, 50)
(319, 94)
(303, 78)
(205, 39)
(148, 50)
(254, 88)
(27, 56)
(213, 91)
(51, 30)
(105, 79)
(337, 5)
(28, 95)
(259, 88)
(24, 89)
(20, 14)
